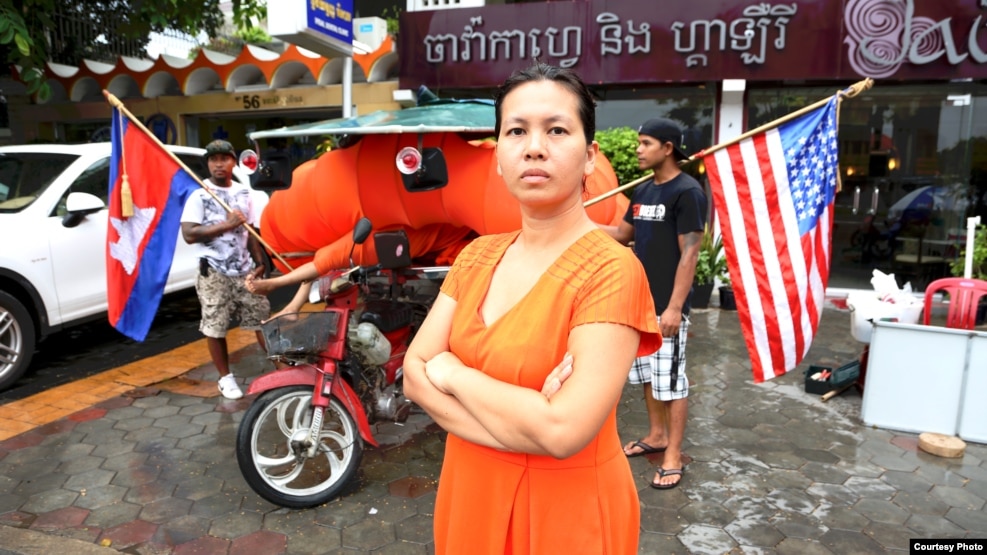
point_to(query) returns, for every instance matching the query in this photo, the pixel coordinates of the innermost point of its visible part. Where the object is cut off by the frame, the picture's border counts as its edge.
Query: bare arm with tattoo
(671, 318)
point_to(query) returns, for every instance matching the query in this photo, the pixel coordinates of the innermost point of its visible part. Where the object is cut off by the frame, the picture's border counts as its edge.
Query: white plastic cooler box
(927, 379)
(866, 307)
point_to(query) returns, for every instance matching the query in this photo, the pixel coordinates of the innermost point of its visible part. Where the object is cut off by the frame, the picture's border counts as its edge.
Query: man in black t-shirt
(666, 221)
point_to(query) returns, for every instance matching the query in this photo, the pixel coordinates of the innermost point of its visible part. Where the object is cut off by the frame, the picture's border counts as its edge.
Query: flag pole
(850, 92)
(613, 192)
(116, 103)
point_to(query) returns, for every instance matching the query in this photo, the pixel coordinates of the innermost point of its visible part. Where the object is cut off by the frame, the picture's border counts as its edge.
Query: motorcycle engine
(368, 343)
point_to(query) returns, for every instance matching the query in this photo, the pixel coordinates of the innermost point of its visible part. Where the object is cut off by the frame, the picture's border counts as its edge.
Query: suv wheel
(16, 340)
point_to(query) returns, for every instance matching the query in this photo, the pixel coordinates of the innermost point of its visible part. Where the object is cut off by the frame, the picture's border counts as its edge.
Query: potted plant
(978, 266)
(727, 300)
(709, 266)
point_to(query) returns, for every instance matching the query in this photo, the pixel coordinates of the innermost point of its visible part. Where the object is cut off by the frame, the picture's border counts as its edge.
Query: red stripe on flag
(757, 165)
(773, 193)
(735, 227)
(777, 236)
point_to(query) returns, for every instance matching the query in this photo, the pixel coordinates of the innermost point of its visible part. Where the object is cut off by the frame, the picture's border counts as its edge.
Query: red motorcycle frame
(301, 440)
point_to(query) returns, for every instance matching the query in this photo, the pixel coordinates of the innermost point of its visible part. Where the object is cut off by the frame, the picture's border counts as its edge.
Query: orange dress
(491, 501)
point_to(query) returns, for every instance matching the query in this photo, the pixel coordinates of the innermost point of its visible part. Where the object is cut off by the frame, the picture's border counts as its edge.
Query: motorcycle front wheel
(277, 468)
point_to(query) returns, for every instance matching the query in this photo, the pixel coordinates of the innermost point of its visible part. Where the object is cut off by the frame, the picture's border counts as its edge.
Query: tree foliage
(30, 35)
(619, 145)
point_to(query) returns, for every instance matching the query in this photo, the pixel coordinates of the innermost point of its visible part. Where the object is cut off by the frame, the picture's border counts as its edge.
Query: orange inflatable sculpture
(315, 217)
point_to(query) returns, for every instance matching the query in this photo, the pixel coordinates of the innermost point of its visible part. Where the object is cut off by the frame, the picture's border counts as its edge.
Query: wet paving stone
(113, 515)
(101, 496)
(770, 469)
(235, 524)
(840, 517)
(798, 526)
(879, 510)
(181, 530)
(699, 538)
(368, 534)
(850, 541)
(928, 526)
(907, 481)
(69, 517)
(129, 534)
(89, 479)
(974, 522)
(917, 503)
(316, 540)
(124, 461)
(792, 501)
(80, 464)
(165, 510)
(959, 497)
(260, 542)
(663, 521)
(412, 486)
(796, 546)
(889, 536)
(206, 545)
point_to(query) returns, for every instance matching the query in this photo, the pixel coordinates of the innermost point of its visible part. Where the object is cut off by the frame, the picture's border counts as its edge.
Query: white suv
(53, 259)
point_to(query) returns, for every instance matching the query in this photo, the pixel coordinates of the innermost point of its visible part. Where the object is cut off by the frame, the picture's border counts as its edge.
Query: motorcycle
(301, 441)
(876, 243)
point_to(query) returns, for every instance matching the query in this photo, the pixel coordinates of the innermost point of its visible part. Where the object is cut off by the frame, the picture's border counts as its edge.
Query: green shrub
(711, 265)
(979, 270)
(619, 145)
(253, 35)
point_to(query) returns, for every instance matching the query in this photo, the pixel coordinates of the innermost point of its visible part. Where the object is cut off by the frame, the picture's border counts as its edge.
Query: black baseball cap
(220, 146)
(665, 130)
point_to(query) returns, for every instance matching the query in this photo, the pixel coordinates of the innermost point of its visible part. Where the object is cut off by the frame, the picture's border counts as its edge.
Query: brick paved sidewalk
(770, 469)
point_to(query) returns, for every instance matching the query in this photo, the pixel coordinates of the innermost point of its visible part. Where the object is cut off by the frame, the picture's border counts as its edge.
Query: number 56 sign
(261, 101)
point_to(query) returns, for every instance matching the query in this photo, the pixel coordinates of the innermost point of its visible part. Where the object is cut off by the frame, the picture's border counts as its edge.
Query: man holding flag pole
(229, 256)
(148, 190)
(773, 190)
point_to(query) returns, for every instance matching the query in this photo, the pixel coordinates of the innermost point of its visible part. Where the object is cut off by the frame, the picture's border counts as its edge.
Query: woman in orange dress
(533, 463)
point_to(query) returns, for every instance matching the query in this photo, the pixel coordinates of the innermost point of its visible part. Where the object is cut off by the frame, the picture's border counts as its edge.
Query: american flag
(774, 194)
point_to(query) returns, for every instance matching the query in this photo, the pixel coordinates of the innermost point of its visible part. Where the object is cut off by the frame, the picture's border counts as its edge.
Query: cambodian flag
(139, 248)
(774, 194)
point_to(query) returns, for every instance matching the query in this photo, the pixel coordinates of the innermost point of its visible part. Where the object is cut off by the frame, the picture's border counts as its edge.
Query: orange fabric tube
(328, 195)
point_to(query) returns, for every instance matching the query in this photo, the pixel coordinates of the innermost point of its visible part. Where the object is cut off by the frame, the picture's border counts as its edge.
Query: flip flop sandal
(645, 449)
(662, 472)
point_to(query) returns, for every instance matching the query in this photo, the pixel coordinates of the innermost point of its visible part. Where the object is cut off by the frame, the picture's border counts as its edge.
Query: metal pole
(116, 103)
(348, 86)
(971, 231)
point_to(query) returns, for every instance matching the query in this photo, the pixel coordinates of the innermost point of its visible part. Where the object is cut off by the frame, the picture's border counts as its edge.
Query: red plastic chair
(964, 296)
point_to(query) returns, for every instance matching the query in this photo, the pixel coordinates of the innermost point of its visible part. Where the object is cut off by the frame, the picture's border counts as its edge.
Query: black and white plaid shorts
(665, 369)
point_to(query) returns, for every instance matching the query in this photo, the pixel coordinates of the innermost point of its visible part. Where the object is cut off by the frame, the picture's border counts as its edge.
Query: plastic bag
(887, 289)
(886, 302)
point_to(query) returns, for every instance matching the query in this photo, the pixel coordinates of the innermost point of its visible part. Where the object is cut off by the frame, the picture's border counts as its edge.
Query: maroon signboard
(621, 42)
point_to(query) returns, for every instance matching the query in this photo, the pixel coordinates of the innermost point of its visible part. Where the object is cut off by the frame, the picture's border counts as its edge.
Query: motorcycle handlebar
(365, 271)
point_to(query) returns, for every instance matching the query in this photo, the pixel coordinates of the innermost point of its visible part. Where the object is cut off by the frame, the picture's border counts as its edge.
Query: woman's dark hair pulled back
(564, 77)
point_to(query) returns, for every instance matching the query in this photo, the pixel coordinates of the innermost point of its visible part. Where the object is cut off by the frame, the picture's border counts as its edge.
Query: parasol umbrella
(920, 203)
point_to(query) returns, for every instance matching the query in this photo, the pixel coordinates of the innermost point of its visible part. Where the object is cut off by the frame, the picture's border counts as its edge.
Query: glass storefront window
(692, 107)
(913, 161)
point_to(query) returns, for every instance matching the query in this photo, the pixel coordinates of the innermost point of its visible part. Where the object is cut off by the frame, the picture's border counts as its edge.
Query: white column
(731, 112)
(730, 123)
(348, 87)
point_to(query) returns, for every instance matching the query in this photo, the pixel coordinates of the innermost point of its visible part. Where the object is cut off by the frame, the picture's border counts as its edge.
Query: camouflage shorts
(222, 298)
